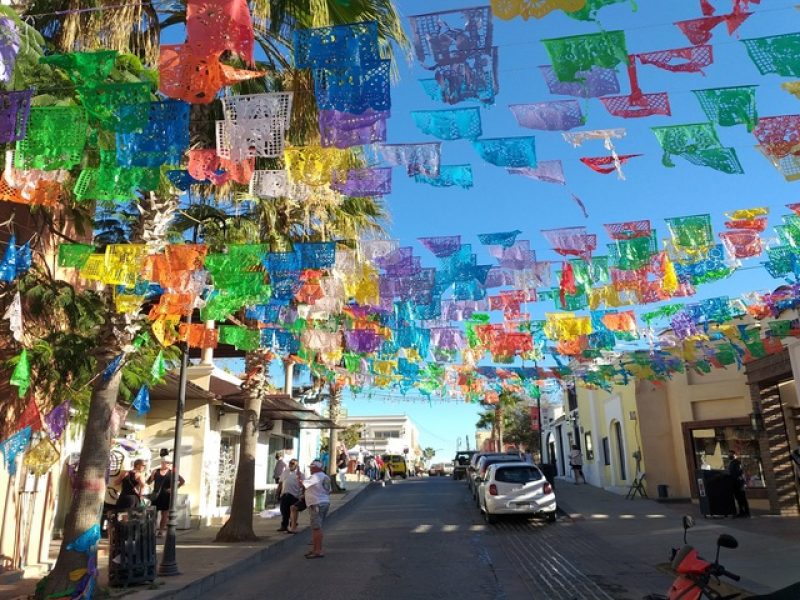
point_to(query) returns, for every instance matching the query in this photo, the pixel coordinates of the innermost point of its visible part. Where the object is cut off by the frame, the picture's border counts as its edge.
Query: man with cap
(318, 499)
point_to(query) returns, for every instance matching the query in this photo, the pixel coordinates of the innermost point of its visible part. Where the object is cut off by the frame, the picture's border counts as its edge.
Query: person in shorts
(318, 500)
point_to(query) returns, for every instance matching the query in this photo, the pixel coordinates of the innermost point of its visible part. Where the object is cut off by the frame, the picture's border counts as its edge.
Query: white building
(387, 434)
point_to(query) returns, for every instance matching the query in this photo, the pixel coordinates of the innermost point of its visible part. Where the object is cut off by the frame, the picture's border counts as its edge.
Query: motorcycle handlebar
(730, 575)
(720, 571)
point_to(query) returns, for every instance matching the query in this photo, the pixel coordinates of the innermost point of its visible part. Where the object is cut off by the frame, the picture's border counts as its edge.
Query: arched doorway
(551, 449)
(617, 440)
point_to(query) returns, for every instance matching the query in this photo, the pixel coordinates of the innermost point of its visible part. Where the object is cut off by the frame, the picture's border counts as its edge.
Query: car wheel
(489, 517)
(551, 517)
(403, 476)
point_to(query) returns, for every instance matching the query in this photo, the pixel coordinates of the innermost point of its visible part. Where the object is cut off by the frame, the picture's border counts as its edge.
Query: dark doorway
(620, 450)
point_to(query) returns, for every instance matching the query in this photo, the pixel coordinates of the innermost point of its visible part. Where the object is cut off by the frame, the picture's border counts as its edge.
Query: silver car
(516, 488)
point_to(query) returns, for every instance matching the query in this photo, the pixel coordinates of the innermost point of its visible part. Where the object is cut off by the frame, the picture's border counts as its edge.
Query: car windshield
(519, 474)
(462, 459)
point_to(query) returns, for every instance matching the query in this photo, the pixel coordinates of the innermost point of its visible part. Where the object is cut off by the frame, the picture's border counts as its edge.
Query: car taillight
(493, 490)
(547, 488)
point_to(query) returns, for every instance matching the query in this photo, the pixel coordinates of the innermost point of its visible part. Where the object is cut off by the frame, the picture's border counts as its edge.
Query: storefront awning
(282, 407)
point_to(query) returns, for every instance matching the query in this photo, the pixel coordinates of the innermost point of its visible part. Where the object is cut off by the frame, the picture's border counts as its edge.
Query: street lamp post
(169, 560)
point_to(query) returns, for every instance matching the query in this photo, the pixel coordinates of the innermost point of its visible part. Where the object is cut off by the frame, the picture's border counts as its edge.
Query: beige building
(387, 434)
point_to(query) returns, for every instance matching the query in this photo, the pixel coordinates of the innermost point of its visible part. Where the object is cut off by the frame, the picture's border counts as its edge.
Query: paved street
(425, 538)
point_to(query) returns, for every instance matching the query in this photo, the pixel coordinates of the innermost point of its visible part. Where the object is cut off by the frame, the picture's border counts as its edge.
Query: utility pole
(466, 437)
(458, 443)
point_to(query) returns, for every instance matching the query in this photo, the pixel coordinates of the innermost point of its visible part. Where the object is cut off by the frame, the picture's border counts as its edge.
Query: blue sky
(501, 202)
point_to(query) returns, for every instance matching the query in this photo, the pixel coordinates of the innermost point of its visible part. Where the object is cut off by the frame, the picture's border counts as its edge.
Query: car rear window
(519, 474)
(497, 459)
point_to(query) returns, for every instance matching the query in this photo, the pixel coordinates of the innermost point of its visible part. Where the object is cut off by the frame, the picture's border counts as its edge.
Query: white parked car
(515, 488)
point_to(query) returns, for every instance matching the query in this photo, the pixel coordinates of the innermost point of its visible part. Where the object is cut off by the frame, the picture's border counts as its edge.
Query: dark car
(461, 462)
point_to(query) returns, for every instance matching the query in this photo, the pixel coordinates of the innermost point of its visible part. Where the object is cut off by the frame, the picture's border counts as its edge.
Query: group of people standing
(134, 485)
(298, 493)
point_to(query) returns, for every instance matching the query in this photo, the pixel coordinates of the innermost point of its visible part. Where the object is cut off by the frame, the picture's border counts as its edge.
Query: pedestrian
(161, 479)
(341, 466)
(291, 486)
(280, 466)
(576, 462)
(133, 483)
(360, 465)
(739, 483)
(318, 499)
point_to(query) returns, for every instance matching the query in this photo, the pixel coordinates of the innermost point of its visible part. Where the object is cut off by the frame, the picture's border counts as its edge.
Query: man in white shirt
(290, 491)
(318, 499)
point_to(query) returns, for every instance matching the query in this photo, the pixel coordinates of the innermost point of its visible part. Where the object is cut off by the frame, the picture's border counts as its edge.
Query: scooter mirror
(727, 541)
(688, 521)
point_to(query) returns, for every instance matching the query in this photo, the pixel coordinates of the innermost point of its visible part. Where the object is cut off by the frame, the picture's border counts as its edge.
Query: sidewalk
(203, 563)
(768, 557)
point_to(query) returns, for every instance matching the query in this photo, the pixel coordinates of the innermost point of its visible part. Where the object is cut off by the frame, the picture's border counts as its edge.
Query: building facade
(387, 434)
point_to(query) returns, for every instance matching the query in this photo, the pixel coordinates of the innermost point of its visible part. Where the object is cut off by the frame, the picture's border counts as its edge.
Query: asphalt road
(425, 538)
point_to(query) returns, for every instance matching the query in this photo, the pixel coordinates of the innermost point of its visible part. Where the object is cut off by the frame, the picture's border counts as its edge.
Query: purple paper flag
(56, 420)
(363, 182)
(597, 82)
(548, 171)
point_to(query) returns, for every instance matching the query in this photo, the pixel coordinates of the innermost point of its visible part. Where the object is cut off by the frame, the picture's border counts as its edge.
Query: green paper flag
(159, 368)
(21, 377)
(579, 53)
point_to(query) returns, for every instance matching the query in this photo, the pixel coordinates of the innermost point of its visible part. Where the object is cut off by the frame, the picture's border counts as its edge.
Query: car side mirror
(727, 541)
(688, 521)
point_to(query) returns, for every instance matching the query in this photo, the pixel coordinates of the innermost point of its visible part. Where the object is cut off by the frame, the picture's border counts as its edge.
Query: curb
(203, 585)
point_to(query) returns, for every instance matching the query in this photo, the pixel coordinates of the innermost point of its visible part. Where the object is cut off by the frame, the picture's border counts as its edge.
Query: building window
(711, 446)
(587, 438)
(385, 435)
(606, 452)
(572, 399)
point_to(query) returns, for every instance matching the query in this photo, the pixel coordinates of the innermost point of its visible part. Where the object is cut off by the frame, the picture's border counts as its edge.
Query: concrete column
(288, 380)
(207, 354)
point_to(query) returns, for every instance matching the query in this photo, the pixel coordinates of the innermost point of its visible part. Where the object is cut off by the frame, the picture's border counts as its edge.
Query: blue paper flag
(142, 401)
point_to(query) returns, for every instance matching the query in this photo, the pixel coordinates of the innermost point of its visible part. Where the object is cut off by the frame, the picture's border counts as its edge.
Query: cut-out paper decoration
(691, 233)
(55, 138)
(195, 78)
(336, 47)
(343, 130)
(12, 446)
(548, 171)
(778, 136)
(595, 82)
(163, 139)
(698, 143)
(41, 457)
(103, 102)
(473, 78)
(699, 31)
(577, 138)
(558, 115)
(788, 166)
(13, 314)
(449, 176)
(793, 87)
(84, 67)
(270, 184)
(571, 241)
(589, 11)
(363, 182)
(679, 60)
(778, 54)
(204, 165)
(115, 183)
(159, 368)
(56, 420)
(442, 246)
(216, 26)
(9, 48)
(730, 105)
(449, 124)
(505, 239)
(445, 37)
(628, 230)
(574, 54)
(637, 104)
(312, 165)
(607, 164)
(249, 138)
(508, 9)
(14, 110)
(744, 243)
(508, 151)
(420, 158)
(354, 89)
(21, 376)
(74, 256)
(30, 417)
(16, 260)
(142, 400)
(275, 106)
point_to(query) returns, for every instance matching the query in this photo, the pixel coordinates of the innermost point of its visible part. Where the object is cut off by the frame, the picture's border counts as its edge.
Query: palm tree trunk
(335, 404)
(499, 421)
(239, 527)
(90, 481)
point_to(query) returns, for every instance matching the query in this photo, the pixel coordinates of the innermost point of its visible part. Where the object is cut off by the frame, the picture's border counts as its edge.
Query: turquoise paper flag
(142, 401)
(159, 368)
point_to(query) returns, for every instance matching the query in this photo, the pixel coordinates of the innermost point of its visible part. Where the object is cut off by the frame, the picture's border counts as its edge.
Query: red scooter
(698, 578)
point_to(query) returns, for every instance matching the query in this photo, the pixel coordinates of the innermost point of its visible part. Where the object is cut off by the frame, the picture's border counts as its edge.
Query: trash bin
(662, 491)
(132, 547)
(715, 492)
(261, 499)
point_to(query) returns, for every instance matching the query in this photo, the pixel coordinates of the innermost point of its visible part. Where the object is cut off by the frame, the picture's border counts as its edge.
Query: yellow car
(396, 463)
